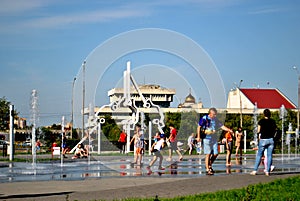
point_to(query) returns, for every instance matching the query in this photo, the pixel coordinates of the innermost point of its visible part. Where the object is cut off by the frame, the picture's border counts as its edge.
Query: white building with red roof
(246, 99)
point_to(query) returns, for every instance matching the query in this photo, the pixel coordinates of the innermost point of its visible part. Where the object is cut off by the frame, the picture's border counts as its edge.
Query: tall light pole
(72, 109)
(295, 67)
(241, 106)
(83, 96)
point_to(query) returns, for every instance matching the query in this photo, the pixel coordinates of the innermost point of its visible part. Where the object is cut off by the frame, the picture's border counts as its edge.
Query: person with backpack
(206, 132)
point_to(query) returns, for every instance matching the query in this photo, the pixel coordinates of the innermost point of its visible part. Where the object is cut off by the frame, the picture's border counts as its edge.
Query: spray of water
(34, 120)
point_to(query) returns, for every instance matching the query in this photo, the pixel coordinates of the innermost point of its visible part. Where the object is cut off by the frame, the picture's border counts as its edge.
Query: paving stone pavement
(189, 179)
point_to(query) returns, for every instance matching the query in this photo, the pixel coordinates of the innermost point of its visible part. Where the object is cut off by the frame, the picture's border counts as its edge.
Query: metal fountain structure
(137, 115)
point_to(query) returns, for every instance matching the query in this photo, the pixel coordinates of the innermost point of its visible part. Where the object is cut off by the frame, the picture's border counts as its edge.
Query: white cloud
(15, 7)
(22, 14)
(265, 11)
(82, 18)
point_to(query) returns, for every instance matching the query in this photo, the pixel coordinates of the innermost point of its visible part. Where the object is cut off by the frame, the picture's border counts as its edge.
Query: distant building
(264, 98)
(157, 94)
(20, 122)
(190, 102)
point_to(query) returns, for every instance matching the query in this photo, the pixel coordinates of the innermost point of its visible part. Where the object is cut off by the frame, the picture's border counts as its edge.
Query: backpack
(204, 124)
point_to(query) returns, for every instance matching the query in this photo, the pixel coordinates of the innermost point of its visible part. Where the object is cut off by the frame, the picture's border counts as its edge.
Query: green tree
(110, 129)
(48, 137)
(4, 113)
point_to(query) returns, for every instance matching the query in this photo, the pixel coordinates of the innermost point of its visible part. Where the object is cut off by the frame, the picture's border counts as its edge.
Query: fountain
(288, 139)
(282, 115)
(254, 143)
(34, 119)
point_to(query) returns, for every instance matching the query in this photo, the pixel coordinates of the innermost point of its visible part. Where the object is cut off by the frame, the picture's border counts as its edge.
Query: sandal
(209, 172)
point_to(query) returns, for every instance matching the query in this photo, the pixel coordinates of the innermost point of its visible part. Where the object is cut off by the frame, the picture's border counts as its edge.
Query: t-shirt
(228, 136)
(173, 134)
(138, 142)
(210, 124)
(267, 128)
(122, 137)
(191, 140)
(159, 144)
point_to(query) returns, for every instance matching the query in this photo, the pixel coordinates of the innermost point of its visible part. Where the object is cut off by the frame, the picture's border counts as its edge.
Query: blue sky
(43, 44)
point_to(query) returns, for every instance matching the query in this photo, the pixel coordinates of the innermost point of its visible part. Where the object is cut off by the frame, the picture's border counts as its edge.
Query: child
(80, 152)
(266, 162)
(191, 140)
(156, 148)
(228, 143)
(138, 144)
(156, 137)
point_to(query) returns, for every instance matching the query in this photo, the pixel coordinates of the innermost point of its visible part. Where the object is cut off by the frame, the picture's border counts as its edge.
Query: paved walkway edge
(120, 188)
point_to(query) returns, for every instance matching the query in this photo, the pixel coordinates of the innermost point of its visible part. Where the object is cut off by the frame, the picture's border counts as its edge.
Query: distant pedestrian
(38, 145)
(64, 147)
(191, 144)
(122, 141)
(173, 143)
(267, 130)
(206, 132)
(239, 141)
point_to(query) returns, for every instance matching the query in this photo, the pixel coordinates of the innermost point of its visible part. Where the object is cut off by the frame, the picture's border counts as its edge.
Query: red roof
(268, 98)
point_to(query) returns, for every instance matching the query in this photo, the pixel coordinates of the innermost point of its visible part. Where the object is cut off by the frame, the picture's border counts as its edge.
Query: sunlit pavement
(121, 166)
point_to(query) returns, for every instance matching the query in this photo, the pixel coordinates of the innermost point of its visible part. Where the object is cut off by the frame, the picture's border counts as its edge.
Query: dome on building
(190, 99)
(180, 105)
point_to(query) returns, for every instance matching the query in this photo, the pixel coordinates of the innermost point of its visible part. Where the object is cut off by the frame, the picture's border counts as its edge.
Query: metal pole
(241, 106)
(128, 137)
(11, 132)
(99, 138)
(296, 142)
(72, 113)
(298, 101)
(83, 96)
(298, 118)
(150, 137)
(62, 140)
(245, 141)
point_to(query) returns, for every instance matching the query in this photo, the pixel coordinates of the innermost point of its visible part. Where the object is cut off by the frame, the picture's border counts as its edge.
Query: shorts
(229, 146)
(139, 150)
(173, 146)
(210, 146)
(157, 153)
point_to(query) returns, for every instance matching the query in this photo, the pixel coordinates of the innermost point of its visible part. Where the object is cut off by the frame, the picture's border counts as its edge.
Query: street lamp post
(295, 67)
(83, 96)
(72, 113)
(241, 106)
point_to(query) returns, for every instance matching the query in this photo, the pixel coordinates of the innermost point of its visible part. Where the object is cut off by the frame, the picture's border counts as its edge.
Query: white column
(245, 141)
(150, 136)
(11, 132)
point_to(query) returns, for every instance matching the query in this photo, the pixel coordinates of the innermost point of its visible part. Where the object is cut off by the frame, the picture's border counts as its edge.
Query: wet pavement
(121, 166)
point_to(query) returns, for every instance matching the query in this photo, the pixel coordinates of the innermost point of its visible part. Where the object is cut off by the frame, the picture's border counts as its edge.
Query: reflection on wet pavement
(120, 166)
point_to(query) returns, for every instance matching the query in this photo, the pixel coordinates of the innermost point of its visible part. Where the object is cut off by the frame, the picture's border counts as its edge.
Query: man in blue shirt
(206, 132)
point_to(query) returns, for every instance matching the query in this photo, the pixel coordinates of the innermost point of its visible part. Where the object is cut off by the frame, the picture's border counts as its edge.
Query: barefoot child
(138, 144)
